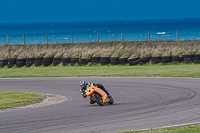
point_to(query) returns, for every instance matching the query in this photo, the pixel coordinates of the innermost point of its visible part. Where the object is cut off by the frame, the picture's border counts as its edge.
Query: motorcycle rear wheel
(97, 98)
(111, 101)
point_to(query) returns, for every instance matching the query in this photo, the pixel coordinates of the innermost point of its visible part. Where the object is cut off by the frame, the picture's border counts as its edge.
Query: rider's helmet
(83, 84)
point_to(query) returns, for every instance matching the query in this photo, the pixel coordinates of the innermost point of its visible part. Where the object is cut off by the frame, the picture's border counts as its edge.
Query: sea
(92, 31)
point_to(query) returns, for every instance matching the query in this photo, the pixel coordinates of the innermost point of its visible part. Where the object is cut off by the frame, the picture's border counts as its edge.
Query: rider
(84, 84)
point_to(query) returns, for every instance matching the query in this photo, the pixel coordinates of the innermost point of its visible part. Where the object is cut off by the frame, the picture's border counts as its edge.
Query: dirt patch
(49, 100)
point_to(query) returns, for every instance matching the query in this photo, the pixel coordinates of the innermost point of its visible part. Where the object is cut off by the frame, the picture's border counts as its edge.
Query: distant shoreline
(101, 20)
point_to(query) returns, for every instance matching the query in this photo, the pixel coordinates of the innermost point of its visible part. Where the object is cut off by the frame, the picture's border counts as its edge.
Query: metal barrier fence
(95, 37)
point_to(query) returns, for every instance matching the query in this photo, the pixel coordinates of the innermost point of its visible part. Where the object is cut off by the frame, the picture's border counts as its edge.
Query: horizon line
(98, 20)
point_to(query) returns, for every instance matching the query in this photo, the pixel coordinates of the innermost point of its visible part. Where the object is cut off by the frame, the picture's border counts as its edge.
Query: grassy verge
(126, 49)
(181, 129)
(16, 99)
(160, 70)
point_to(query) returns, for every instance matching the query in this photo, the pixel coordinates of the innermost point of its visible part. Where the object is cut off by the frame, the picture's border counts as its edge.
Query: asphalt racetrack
(140, 103)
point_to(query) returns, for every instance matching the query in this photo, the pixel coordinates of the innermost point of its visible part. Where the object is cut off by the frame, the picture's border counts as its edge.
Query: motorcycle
(98, 95)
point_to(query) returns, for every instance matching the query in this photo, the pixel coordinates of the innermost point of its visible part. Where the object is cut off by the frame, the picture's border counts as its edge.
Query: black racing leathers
(82, 90)
(101, 87)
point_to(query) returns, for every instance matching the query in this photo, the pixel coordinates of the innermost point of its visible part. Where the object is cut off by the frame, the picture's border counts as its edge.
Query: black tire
(96, 60)
(143, 63)
(123, 61)
(47, 64)
(20, 62)
(166, 59)
(38, 61)
(156, 60)
(188, 59)
(115, 63)
(47, 61)
(10, 66)
(38, 58)
(29, 62)
(56, 61)
(97, 98)
(133, 59)
(65, 61)
(29, 59)
(177, 58)
(114, 60)
(83, 62)
(105, 60)
(111, 100)
(174, 62)
(196, 61)
(73, 61)
(3, 63)
(11, 62)
(144, 60)
(38, 64)
(188, 56)
(134, 62)
(197, 57)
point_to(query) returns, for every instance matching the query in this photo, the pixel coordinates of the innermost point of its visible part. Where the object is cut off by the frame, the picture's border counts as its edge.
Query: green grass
(159, 70)
(180, 129)
(103, 49)
(16, 99)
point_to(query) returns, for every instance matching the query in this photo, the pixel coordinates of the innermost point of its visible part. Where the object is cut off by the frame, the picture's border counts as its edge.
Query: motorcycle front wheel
(97, 98)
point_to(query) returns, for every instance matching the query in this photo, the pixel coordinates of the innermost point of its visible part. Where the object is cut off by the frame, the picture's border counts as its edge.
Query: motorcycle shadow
(109, 105)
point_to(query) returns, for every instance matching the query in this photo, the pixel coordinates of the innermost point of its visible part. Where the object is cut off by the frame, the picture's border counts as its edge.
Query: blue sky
(84, 10)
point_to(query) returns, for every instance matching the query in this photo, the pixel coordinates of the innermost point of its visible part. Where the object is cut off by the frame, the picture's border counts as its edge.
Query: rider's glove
(83, 93)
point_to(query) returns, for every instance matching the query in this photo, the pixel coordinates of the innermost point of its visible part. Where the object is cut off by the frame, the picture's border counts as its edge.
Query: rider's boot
(109, 96)
(104, 89)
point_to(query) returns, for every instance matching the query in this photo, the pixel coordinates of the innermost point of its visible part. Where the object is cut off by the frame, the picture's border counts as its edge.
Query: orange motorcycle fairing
(103, 95)
(93, 89)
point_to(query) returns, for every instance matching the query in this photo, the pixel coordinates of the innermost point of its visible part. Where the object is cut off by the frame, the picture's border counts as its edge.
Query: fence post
(24, 38)
(47, 38)
(148, 35)
(98, 37)
(7, 38)
(122, 36)
(9, 51)
(71, 38)
(177, 35)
